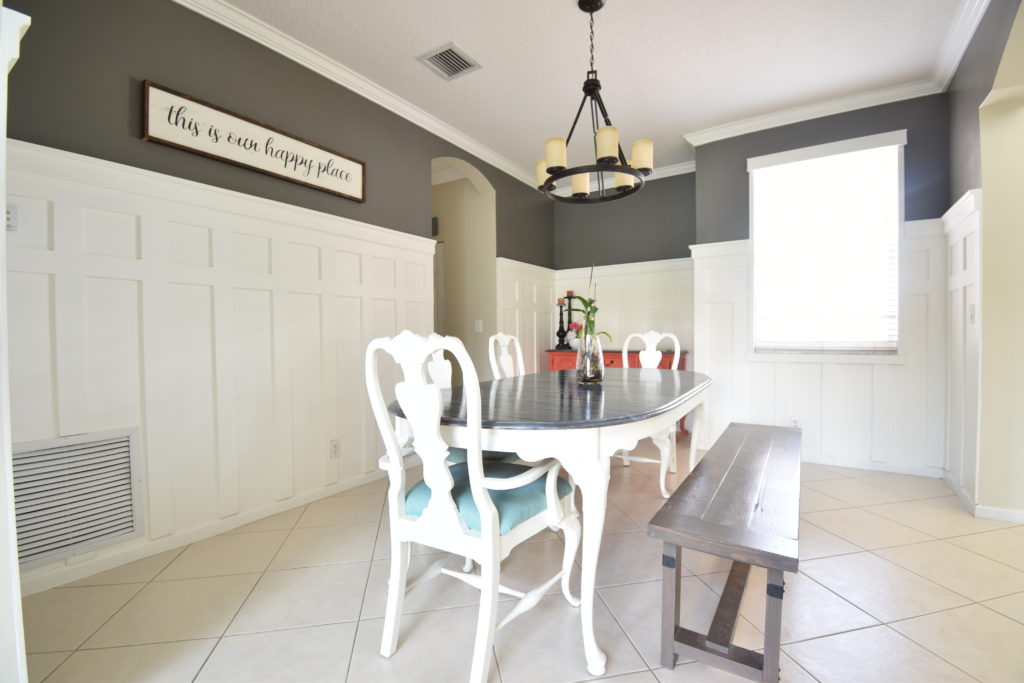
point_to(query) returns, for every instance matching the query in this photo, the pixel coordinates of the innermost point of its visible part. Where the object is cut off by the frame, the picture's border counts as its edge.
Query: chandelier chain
(591, 41)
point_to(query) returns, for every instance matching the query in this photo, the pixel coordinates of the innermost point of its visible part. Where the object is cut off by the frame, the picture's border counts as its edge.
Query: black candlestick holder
(561, 346)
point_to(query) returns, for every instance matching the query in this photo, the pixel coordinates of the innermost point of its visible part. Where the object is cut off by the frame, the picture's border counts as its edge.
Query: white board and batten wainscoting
(229, 329)
(872, 412)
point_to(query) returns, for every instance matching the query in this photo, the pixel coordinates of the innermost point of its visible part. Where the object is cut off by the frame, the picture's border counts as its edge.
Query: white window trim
(897, 357)
(890, 139)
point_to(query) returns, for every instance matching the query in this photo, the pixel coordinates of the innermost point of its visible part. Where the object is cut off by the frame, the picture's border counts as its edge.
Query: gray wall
(970, 85)
(658, 222)
(722, 182)
(77, 87)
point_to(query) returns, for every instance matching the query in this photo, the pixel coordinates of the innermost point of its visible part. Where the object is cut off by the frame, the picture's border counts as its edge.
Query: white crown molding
(957, 40)
(249, 26)
(674, 169)
(817, 110)
(13, 26)
(953, 48)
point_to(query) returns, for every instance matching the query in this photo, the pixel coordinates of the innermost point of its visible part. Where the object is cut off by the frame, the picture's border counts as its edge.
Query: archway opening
(464, 209)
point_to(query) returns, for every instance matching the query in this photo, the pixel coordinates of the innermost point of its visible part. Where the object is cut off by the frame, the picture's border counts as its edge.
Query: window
(825, 225)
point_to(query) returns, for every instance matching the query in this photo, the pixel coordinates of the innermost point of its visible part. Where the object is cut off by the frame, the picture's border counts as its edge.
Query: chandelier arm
(575, 120)
(600, 103)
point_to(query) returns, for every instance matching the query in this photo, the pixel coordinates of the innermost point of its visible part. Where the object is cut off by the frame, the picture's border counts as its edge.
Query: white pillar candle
(542, 172)
(643, 154)
(581, 184)
(554, 153)
(607, 143)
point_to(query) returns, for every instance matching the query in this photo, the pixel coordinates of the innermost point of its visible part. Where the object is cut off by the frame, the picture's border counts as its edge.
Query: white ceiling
(675, 71)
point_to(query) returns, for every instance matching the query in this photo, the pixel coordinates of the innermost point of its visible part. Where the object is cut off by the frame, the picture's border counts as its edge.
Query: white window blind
(825, 228)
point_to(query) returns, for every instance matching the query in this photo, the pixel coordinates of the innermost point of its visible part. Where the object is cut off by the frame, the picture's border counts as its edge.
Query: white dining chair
(650, 357)
(506, 356)
(477, 508)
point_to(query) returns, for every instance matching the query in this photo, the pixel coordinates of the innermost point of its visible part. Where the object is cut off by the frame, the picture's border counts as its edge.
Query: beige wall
(466, 223)
(1001, 480)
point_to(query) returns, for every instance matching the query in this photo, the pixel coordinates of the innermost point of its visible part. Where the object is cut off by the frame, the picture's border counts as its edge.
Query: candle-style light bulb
(643, 155)
(555, 155)
(542, 173)
(607, 145)
(581, 185)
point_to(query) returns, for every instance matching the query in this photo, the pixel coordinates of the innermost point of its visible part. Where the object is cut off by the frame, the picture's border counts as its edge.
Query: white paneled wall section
(228, 328)
(526, 299)
(963, 239)
(885, 413)
(637, 297)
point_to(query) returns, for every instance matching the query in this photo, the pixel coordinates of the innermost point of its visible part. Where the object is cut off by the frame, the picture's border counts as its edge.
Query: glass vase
(589, 360)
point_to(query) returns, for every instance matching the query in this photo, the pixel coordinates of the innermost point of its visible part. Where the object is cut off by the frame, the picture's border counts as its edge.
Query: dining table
(553, 415)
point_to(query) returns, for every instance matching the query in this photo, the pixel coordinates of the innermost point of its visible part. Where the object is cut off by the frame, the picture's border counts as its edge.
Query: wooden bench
(741, 502)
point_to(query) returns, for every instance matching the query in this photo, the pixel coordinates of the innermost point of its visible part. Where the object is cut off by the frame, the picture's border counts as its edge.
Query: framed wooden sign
(178, 120)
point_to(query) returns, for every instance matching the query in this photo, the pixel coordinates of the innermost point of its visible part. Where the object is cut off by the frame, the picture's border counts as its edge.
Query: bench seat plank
(743, 498)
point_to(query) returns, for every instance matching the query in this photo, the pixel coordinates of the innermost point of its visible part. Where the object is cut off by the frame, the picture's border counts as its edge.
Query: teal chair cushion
(456, 455)
(514, 506)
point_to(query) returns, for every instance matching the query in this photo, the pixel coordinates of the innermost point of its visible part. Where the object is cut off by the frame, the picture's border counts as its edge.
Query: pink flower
(575, 327)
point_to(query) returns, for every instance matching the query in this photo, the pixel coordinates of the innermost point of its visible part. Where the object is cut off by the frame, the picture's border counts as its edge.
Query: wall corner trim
(969, 203)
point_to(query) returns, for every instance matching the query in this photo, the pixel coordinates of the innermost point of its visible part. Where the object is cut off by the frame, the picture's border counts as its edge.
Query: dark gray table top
(555, 400)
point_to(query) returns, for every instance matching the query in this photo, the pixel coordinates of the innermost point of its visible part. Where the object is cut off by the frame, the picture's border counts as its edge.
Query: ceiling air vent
(449, 62)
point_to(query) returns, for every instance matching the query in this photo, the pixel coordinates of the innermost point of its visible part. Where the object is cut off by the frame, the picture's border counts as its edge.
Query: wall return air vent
(74, 494)
(449, 62)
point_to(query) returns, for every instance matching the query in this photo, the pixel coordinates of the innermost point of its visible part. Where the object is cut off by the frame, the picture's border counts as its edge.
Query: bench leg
(773, 626)
(671, 575)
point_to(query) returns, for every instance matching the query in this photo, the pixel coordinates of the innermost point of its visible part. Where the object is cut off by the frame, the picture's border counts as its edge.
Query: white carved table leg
(592, 479)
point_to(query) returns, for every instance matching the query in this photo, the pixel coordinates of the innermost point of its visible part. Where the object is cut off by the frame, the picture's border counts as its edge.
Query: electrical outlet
(11, 222)
(478, 325)
(795, 423)
(335, 449)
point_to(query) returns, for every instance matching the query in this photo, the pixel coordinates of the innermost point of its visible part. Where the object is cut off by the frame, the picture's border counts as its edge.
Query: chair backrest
(503, 363)
(438, 367)
(650, 356)
(418, 394)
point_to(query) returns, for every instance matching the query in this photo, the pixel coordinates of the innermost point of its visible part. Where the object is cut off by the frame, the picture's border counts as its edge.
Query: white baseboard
(999, 514)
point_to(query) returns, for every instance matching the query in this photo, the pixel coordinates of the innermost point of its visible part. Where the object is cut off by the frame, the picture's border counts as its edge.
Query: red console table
(566, 360)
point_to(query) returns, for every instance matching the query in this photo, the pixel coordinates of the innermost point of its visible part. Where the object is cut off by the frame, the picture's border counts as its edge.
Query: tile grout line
(248, 595)
(117, 611)
(369, 571)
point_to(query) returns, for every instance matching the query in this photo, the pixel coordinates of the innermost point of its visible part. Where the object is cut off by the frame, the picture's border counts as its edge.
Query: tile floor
(896, 583)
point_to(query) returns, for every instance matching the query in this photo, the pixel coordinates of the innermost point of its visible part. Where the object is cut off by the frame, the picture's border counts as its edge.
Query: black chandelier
(616, 178)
